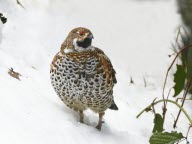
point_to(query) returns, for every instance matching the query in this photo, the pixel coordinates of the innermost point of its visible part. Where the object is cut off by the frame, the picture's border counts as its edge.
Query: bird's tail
(113, 106)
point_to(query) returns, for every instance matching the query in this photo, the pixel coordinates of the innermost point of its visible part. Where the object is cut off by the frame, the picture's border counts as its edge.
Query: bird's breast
(80, 74)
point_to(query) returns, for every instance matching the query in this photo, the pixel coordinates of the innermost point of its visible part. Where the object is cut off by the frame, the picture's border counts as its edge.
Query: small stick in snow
(33, 67)
(131, 81)
(18, 2)
(14, 74)
(145, 82)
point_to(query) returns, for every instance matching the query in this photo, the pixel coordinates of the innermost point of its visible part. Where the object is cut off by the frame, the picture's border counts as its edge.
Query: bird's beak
(90, 37)
(87, 36)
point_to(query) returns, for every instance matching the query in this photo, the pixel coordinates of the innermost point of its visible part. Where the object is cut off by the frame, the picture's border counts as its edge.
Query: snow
(135, 35)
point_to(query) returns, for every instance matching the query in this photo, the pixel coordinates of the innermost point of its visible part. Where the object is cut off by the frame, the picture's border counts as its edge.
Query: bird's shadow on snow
(91, 120)
(66, 110)
(106, 133)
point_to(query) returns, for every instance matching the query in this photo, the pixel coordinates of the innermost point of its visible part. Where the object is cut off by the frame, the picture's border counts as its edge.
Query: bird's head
(79, 39)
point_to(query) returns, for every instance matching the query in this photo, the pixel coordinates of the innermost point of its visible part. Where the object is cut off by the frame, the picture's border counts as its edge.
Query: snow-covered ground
(137, 37)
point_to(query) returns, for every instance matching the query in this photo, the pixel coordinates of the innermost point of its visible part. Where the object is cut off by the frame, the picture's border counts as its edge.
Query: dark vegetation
(182, 79)
(3, 18)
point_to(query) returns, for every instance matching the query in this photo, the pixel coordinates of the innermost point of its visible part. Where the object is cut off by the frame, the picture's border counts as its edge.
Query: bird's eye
(82, 33)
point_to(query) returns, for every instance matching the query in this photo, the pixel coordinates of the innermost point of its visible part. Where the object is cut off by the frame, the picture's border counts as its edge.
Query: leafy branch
(163, 94)
(181, 82)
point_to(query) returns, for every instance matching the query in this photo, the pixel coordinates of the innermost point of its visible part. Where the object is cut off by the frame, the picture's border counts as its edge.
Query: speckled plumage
(82, 75)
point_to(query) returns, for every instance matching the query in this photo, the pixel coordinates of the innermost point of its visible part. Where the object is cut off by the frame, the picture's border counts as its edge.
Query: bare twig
(186, 33)
(165, 106)
(19, 3)
(184, 97)
(168, 95)
(131, 81)
(33, 67)
(145, 82)
(190, 126)
(152, 105)
(184, 138)
(179, 33)
(177, 38)
(173, 116)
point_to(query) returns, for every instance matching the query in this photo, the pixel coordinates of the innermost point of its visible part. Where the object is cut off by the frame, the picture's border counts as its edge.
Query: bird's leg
(100, 121)
(81, 116)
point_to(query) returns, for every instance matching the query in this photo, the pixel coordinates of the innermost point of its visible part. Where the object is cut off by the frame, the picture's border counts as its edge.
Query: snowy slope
(137, 38)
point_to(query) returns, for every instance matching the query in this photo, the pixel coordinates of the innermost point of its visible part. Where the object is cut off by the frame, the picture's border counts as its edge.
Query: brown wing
(107, 65)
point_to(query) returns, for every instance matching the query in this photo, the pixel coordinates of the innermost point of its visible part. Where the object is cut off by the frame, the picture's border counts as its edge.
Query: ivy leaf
(179, 79)
(165, 138)
(158, 123)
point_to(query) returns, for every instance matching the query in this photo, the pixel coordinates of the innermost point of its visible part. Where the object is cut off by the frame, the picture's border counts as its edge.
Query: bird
(83, 76)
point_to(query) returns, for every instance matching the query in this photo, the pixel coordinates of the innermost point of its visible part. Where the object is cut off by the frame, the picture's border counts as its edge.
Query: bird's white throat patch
(77, 48)
(67, 50)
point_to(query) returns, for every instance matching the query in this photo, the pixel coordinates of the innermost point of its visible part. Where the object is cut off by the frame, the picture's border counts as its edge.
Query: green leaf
(165, 138)
(179, 79)
(158, 123)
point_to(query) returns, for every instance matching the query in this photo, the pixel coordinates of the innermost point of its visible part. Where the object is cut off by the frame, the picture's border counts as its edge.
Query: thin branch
(168, 96)
(131, 81)
(184, 97)
(153, 108)
(188, 131)
(159, 101)
(179, 32)
(186, 33)
(19, 3)
(177, 38)
(173, 116)
(145, 82)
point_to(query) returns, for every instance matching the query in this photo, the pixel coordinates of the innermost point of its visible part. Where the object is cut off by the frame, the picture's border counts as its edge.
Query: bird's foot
(81, 116)
(100, 121)
(98, 127)
(81, 121)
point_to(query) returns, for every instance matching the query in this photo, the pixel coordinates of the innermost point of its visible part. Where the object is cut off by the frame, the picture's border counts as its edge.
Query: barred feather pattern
(84, 79)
